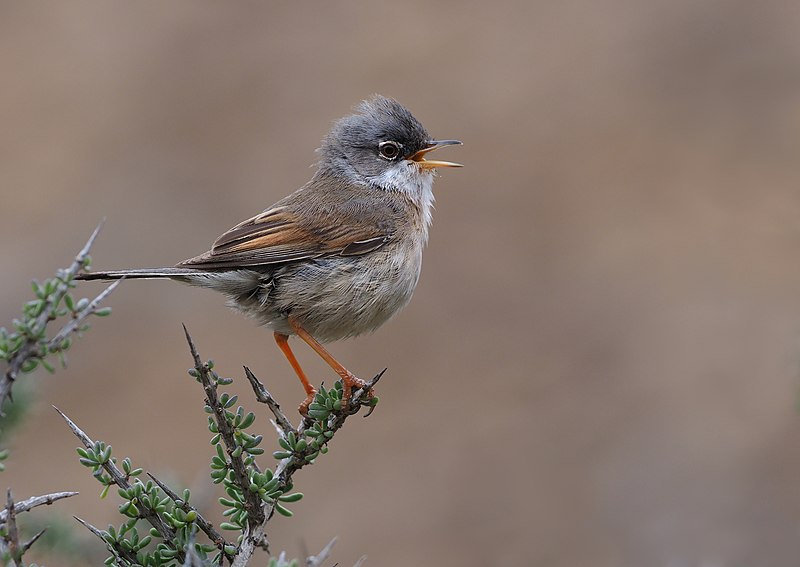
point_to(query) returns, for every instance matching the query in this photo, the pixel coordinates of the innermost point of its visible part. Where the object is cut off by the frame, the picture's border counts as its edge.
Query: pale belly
(337, 297)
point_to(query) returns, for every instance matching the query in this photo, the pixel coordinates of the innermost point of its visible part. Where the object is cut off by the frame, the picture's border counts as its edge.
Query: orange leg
(348, 379)
(283, 344)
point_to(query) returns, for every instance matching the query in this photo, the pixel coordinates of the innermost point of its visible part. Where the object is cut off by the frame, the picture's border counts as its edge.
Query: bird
(342, 254)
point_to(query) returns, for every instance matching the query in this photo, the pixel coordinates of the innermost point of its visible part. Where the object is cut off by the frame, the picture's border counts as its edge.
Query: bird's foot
(303, 409)
(350, 382)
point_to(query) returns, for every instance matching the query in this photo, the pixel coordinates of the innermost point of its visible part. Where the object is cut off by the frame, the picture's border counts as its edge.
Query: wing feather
(278, 236)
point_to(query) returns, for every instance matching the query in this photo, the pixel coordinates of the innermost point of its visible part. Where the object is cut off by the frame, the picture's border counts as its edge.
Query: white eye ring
(389, 150)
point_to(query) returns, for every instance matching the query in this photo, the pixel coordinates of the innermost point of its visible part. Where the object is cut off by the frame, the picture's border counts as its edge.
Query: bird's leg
(283, 344)
(349, 380)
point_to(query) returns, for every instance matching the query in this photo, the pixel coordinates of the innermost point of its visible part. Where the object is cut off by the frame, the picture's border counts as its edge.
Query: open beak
(419, 157)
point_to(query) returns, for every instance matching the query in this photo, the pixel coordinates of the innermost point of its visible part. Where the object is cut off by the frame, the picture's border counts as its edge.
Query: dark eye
(389, 150)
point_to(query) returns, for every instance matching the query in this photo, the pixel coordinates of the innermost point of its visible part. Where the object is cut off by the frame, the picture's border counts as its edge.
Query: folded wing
(278, 235)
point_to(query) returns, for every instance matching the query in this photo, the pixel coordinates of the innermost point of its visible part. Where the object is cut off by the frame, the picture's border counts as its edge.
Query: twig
(12, 535)
(192, 558)
(115, 548)
(74, 324)
(325, 552)
(8, 517)
(34, 501)
(263, 396)
(290, 465)
(205, 526)
(31, 345)
(251, 540)
(253, 502)
(146, 513)
(254, 533)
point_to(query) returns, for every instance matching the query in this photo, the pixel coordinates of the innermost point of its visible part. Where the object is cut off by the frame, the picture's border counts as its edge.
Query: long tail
(144, 273)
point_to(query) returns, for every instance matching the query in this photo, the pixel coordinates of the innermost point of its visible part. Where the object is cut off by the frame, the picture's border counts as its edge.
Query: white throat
(414, 182)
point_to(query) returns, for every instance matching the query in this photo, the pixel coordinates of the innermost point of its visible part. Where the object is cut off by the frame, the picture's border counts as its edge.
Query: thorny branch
(34, 501)
(84, 314)
(115, 548)
(255, 535)
(258, 512)
(253, 503)
(262, 395)
(122, 481)
(11, 537)
(290, 465)
(31, 347)
(10, 543)
(205, 526)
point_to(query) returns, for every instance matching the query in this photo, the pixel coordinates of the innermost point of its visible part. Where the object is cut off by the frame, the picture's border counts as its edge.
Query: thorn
(370, 385)
(377, 377)
(27, 546)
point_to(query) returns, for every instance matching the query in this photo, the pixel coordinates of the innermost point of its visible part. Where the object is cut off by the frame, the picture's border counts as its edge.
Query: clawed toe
(303, 408)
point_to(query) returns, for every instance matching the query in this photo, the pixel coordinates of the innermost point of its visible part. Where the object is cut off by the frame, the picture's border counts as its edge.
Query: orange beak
(419, 157)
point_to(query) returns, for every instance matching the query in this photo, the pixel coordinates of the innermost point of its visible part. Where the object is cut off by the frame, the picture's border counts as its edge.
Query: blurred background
(600, 364)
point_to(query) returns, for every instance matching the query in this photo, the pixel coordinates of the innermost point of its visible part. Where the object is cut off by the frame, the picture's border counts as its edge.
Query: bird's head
(382, 144)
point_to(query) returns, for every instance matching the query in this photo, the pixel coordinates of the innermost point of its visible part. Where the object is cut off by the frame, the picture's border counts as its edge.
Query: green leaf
(318, 414)
(248, 420)
(38, 289)
(291, 497)
(283, 511)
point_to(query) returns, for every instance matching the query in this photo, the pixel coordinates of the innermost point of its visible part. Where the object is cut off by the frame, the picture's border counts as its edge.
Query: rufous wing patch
(277, 236)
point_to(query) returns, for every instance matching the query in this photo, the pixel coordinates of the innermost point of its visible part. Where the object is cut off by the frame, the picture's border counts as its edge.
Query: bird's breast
(339, 297)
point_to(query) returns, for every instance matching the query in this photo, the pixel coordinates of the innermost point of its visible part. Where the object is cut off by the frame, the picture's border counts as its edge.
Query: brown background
(599, 367)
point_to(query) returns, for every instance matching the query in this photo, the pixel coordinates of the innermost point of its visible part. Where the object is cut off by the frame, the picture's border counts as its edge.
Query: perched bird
(339, 256)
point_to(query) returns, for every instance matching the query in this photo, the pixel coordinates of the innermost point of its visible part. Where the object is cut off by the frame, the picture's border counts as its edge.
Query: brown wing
(278, 235)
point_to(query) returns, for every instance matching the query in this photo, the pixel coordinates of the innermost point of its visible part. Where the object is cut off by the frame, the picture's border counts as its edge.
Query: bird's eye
(389, 150)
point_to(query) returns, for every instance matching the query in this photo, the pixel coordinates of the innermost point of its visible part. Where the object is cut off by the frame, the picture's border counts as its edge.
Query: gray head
(381, 144)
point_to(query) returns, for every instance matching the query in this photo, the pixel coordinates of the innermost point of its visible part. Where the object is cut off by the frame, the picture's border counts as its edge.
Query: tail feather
(144, 273)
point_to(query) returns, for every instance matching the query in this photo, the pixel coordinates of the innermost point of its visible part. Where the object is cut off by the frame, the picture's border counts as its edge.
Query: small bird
(341, 255)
